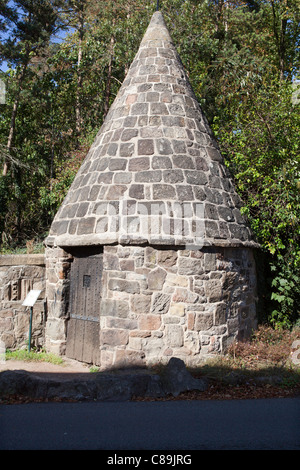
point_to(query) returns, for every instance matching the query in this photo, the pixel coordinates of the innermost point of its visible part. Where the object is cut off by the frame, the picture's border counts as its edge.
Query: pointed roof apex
(157, 29)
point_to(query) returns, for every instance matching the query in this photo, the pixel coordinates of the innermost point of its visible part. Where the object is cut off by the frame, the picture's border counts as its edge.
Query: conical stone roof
(154, 173)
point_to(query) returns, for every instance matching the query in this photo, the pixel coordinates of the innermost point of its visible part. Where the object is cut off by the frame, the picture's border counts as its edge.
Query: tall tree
(75, 14)
(32, 22)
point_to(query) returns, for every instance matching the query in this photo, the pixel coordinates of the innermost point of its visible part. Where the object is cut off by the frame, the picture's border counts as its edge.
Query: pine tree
(32, 22)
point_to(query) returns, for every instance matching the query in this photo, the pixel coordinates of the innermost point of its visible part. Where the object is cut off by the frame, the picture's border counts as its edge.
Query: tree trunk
(281, 25)
(14, 115)
(79, 78)
(282, 48)
(109, 78)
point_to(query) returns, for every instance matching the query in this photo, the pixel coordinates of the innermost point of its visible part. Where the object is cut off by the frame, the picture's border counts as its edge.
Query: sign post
(30, 300)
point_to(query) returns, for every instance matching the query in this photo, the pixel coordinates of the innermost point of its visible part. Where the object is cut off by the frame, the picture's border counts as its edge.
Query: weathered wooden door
(84, 308)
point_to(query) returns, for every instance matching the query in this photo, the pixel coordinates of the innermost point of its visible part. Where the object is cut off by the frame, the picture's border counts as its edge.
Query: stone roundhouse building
(148, 257)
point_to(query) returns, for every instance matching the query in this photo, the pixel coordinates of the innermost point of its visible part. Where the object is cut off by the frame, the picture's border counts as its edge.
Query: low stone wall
(18, 275)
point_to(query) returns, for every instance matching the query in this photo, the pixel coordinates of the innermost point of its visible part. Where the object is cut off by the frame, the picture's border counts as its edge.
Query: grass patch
(35, 356)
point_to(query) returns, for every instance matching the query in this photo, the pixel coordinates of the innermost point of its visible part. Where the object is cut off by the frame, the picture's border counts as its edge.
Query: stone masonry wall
(162, 303)
(157, 303)
(58, 264)
(18, 275)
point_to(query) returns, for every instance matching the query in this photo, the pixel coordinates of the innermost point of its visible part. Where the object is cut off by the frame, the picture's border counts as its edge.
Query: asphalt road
(272, 424)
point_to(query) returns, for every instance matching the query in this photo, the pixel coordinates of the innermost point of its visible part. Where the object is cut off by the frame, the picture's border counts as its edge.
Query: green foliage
(263, 155)
(51, 200)
(285, 293)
